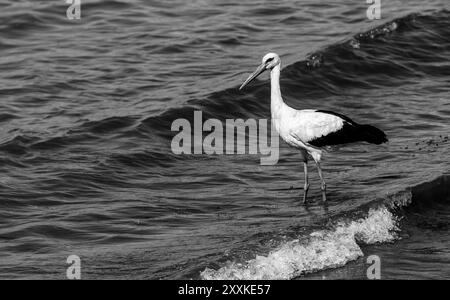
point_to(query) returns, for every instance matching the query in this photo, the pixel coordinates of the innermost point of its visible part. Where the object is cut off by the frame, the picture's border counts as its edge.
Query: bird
(310, 130)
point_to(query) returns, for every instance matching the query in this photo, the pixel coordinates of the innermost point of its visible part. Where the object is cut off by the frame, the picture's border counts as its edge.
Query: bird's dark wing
(350, 132)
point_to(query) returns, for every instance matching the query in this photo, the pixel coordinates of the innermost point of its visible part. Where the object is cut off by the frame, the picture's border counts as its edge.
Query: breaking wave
(340, 243)
(321, 250)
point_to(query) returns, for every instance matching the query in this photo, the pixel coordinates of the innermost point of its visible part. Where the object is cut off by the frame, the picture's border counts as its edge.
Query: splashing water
(321, 250)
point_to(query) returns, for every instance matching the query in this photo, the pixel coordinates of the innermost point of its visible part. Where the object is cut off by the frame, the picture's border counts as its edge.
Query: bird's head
(269, 61)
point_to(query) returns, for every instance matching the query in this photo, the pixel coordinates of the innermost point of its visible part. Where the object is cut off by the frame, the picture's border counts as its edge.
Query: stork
(310, 130)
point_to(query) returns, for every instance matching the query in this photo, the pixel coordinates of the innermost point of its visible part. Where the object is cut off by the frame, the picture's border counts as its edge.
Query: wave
(321, 250)
(411, 47)
(336, 246)
(390, 54)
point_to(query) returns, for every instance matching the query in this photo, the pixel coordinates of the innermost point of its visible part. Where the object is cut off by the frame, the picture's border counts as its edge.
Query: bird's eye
(269, 60)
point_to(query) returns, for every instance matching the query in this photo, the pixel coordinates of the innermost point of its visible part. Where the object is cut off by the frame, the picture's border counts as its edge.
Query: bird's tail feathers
(373, 135)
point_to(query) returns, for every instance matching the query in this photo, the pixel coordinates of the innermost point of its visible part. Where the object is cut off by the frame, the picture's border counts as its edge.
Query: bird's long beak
(255, 74)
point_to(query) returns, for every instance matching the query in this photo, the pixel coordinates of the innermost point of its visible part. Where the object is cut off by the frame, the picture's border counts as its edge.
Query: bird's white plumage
(299, 127)
(296, 127)
(308, 125)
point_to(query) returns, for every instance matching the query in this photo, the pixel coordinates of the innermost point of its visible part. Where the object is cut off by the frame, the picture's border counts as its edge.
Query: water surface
(86, 166)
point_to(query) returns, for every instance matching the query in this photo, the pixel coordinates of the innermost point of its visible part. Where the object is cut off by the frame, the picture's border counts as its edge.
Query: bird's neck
(276, 102)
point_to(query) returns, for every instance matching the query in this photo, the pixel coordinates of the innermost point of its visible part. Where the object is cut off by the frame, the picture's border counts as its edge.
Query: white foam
(321, 250)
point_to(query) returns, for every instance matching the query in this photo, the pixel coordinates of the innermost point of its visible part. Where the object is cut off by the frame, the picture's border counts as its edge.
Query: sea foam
(321, 250)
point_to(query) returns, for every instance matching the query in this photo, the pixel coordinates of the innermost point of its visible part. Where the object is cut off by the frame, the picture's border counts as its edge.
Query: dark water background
(85, 162)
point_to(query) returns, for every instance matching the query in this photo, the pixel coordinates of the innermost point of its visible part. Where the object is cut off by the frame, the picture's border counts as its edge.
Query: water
(86, 167)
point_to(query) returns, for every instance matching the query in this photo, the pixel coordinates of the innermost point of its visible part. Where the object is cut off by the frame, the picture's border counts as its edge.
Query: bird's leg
(323, 186)
(304, 157)
(306, 187)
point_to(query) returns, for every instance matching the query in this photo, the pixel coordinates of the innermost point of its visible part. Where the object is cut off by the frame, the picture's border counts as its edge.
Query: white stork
(308, 130)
